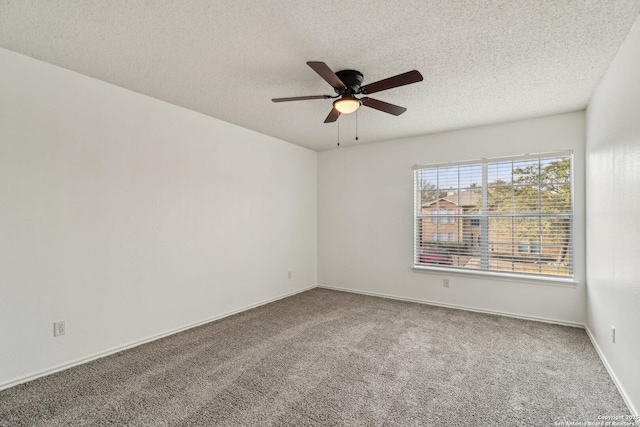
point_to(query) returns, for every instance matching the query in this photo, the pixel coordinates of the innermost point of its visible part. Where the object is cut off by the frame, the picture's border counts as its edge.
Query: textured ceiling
(483, 61)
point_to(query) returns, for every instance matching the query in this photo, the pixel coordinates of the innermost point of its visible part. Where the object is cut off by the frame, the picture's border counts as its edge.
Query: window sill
(551, 281)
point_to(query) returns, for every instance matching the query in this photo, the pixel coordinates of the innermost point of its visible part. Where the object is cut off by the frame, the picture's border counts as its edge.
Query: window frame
(484, 216)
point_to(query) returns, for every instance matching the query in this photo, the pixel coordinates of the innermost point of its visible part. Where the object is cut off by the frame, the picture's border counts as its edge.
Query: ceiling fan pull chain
(356, 125)
(338, 123)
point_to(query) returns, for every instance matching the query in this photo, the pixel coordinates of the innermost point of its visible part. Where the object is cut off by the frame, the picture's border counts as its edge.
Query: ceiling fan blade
(395, 81)
(383, 106)
(333, 116)
(325, 72)
(301, 98)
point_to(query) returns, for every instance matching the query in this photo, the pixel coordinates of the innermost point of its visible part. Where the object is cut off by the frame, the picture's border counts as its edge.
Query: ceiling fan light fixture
(347, 104)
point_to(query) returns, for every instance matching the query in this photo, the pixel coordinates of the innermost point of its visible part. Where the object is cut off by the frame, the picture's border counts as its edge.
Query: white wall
(365, 217)
(613, 213)
(128, 217)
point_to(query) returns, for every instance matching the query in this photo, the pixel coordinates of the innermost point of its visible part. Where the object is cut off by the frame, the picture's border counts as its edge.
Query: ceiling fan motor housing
(352, 79)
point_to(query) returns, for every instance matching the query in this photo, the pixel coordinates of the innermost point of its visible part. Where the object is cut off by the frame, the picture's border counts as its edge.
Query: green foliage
(428, 192)
(552, 180)
(455, 248)
(533, 189)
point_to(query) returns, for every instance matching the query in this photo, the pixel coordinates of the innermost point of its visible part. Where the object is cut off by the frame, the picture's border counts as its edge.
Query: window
(452, 219)
(511, 215)
(435, 219)
(440, 236)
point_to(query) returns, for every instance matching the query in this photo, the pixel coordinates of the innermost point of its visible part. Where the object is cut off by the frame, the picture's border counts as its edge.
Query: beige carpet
(324, 358)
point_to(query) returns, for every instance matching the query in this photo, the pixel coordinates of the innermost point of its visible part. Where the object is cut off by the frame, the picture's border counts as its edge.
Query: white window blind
(510, 215)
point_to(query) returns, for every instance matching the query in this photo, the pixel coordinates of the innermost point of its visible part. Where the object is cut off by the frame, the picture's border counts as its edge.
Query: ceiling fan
(347, 84)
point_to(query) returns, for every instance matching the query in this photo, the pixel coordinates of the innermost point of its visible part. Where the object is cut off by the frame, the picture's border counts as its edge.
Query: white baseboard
(82, 360)
(612, 374)
(458, 307)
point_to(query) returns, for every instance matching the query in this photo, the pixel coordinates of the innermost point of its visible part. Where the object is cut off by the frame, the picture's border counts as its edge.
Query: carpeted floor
(325, 358)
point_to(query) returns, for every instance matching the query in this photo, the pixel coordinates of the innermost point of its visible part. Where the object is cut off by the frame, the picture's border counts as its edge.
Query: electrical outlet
(613, 334)
(59, 328)
(289, 275)
(445, 282)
